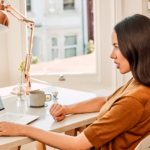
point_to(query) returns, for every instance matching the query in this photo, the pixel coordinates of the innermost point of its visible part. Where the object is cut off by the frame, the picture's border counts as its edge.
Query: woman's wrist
(66, 108)
(24, 130)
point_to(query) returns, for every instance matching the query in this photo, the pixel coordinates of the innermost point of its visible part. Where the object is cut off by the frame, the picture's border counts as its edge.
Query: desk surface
(46, 122)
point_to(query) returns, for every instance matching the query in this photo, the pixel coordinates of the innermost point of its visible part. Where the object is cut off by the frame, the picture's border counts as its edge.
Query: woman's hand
(11, 129)
(58, 112)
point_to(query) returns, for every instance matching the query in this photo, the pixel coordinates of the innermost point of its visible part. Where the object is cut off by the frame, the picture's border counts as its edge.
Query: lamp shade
(4, 21)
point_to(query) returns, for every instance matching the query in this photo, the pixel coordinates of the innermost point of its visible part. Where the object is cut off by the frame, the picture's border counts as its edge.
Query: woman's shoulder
(139, 92)
(120, 90)
(132, 90)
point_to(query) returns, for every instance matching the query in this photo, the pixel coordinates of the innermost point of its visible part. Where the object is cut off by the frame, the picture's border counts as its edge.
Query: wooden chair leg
(40, 146)
(80, 129)
(16, 148)
(72, 132)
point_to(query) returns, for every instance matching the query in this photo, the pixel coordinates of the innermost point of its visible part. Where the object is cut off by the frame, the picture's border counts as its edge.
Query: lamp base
(27, 90)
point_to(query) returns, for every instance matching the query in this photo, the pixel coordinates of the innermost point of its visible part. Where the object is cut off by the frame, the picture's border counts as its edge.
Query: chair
(144, 144)
(138, 146)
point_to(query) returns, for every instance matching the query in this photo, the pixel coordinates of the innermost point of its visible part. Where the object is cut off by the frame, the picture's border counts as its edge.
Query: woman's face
(121, 62)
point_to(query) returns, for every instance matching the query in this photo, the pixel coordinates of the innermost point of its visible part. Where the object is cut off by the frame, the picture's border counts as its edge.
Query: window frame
(76, 77)
(101, 78)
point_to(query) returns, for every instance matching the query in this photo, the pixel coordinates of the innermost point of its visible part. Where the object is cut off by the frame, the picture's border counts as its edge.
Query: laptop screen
(1, 104)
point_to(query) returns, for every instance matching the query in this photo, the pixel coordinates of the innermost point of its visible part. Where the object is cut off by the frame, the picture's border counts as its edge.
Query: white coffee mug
(38, 98)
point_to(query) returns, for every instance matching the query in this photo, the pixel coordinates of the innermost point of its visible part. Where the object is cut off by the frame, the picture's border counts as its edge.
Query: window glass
(54, 50)
(70, 52)
(28, 5)
(54, 41)
(68, 4)
(63, 42)
(54, 53)
(70, 40)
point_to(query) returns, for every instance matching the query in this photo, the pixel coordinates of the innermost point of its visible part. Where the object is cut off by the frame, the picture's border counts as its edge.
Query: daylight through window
(63, 41)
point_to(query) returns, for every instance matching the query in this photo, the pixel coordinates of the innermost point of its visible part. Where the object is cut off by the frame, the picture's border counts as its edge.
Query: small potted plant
(21, 90)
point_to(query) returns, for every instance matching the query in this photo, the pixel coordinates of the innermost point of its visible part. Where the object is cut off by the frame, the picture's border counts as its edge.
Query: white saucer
(45, 105)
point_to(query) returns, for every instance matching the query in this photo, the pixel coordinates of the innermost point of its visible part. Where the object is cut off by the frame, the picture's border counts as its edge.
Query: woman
(124, 117)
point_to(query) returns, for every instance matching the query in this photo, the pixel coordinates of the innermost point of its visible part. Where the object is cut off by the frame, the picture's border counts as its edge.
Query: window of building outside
(62, 42)
(51, 6)
(70, 46)
(54, 50)
(69, 4)
(28, 5)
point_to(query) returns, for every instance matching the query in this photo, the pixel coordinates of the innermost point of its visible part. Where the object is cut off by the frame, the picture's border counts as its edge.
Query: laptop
(15, 117)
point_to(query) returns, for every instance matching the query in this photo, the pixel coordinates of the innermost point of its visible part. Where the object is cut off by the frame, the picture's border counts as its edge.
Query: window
(70, 52)
(62, 41)
(69, 4)
(54, 41)
(54, 50)
(89, 72)
(28, 5)
(70, 46)
(51, 6)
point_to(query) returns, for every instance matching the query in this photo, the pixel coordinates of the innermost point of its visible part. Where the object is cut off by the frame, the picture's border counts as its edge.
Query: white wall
(14, 43)
(4, 70)
(131, 7)
(11, 50)
(145, 11)
(4, 63)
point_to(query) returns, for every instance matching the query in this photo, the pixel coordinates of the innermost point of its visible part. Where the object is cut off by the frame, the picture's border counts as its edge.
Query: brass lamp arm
(29, 23)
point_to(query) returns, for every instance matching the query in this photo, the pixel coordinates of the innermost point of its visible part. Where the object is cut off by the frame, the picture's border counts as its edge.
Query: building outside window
(70, 46)
(69, 51)
(28, 5)
(69, 4)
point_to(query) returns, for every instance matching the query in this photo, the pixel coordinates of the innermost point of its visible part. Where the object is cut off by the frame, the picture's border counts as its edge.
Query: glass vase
(21, 92)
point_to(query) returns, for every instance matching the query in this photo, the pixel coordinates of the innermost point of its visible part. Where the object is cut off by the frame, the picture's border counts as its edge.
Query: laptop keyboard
(10, 117)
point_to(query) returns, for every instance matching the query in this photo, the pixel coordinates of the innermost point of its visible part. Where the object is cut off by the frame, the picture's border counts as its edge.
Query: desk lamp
(4, 27)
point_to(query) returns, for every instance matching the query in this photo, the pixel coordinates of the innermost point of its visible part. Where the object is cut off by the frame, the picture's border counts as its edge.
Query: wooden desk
(45, 122)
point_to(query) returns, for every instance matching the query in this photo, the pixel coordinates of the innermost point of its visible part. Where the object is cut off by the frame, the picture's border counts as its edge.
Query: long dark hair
(133, 35)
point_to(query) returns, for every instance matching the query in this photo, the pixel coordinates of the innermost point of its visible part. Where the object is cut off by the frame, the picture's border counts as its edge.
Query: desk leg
(40, 146)
(16, 148)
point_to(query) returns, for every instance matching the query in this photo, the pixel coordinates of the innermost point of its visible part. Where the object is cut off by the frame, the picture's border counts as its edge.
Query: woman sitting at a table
(124, 117)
